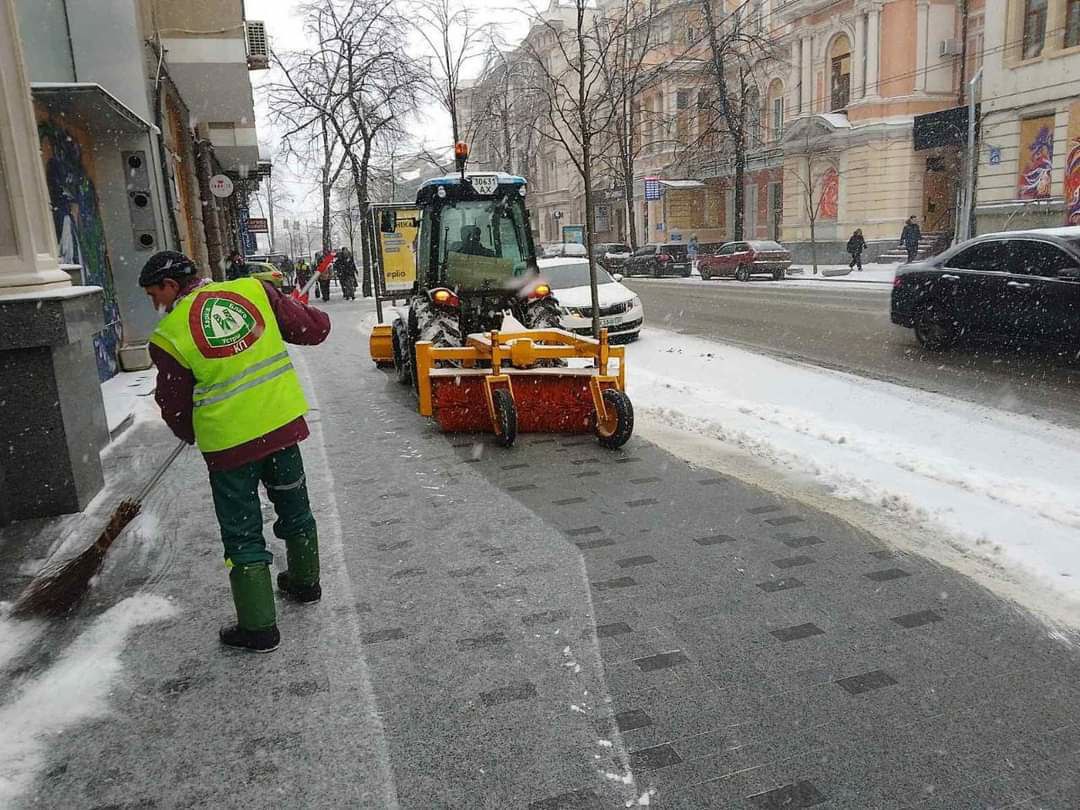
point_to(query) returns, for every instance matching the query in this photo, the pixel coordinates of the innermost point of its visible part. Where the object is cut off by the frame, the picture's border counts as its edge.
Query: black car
(611, 255)
(658, 260)
(1021, 285)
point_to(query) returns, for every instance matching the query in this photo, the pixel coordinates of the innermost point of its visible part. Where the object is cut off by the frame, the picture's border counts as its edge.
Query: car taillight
(663, 257)
(897, 282)
(444, 297)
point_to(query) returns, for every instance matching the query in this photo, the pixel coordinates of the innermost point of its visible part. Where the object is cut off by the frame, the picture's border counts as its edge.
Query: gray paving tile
(782, 584)
(788, 797)
(627, 460)
(714, 540)
(600, 542)
(393, 546)
(582, 531)
(651, 759)
(633, 562)
(786, 520)
(793, 562)
(917, 619)
(661, 661)
(506, 694)
(494, 639)
(632, 719)
(407, 573)
(613, 629)
(642, 502)
(472, 571)
(857, 684)
(650, 479)
(799, 631)
(764, 510)
(569, 501)
(521, 488)
(800, 542)
(506, 592)
(509, 467)
(545, 617)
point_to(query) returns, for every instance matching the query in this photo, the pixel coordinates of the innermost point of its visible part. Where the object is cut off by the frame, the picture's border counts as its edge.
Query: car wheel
(778, 275)
(705, 275)
(742, 273)
(935, 333)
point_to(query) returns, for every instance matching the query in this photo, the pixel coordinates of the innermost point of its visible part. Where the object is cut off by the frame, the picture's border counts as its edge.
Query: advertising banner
(396, 245)
(1036, 161)
(573, 233)
(1072, 167)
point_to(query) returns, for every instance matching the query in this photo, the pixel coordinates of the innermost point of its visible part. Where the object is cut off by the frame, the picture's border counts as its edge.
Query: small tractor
(479, 338)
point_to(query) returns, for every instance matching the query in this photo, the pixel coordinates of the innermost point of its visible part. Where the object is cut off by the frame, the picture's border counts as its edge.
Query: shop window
(840, 76)
(1034, 27)
(1072, 23)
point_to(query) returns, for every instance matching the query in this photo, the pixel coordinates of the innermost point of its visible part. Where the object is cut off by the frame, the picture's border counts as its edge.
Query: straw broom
(60, 586)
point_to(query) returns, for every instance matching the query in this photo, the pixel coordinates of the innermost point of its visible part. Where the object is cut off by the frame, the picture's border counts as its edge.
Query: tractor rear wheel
(616, 430)
(439, 326)
(505, 417)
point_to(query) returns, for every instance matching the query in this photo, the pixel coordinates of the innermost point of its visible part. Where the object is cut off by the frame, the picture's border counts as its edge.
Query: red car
(741, 260)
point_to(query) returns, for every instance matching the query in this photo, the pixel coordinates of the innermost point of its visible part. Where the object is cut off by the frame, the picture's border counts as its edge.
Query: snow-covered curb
(1000, 485)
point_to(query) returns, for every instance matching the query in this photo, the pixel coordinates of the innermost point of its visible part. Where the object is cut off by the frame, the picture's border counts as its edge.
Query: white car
(621, 312)
(565, 249)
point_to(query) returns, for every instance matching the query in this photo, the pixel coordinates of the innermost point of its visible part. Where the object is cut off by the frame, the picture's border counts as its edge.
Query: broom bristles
(60, 586)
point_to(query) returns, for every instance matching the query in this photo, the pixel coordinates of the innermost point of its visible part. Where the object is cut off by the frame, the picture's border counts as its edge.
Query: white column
(922, 42)
(858, 57)
(808, 74)
(28, 259)
(873, 47)
(793, 89)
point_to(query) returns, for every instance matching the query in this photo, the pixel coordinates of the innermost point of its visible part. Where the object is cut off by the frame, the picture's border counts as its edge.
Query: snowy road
(845, 325)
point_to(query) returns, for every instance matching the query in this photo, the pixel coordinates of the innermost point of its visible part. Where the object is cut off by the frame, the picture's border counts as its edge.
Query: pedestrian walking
(322, 289)
(345, 270)
(855, 247)
(303, 273)
(225, 383)
(692, 251)
(910, 237)
(236, 267)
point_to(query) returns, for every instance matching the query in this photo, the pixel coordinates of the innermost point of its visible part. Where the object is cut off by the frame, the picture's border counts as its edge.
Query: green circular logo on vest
(225, 322)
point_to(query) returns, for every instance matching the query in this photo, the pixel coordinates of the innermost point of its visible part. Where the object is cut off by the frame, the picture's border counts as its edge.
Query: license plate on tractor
(484, 183)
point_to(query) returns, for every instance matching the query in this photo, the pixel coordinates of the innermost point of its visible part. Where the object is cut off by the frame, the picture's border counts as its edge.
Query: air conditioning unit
(258, 47)
(950, 47)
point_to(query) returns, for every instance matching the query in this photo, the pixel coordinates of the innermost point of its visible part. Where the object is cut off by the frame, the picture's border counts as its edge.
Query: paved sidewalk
(554, 626)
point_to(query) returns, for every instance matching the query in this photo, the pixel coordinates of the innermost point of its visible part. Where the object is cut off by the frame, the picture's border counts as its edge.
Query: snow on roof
(837, 120)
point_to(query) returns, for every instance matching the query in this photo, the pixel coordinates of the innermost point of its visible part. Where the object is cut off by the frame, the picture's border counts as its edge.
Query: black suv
(658, 260)
(1020, 285)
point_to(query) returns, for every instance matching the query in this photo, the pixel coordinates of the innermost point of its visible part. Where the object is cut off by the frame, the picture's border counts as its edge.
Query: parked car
(612, 255)
(659, 260)
(743, 260)
(565, 249)
(620, 309)
(264, 271)
(1019, 285)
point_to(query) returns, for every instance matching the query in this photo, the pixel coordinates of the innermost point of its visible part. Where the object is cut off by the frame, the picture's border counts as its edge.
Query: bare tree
(566, 78)
(452, 32)
(814, 158)
(738, 48)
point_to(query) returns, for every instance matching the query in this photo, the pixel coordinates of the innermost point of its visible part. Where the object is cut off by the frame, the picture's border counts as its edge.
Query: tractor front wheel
(505, 417)
(615, 431)
(402, 354)
(543, 313)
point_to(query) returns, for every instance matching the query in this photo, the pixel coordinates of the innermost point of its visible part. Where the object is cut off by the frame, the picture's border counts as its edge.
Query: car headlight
(634, 303)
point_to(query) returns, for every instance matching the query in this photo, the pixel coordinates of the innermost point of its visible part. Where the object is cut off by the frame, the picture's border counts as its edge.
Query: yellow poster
(397, 249)
(1036, 164)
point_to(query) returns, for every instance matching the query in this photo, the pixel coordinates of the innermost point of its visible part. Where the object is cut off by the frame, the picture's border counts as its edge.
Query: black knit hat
(166, 264)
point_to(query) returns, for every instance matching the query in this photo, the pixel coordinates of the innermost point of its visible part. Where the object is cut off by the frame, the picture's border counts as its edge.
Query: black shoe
(260, 641)
(306, 594)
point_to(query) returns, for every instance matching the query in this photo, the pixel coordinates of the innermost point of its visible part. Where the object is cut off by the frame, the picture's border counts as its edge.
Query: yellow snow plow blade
(381, 345)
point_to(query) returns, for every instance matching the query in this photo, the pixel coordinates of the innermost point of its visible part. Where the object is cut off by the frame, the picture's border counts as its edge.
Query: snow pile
(1001, 485)
(74, 689)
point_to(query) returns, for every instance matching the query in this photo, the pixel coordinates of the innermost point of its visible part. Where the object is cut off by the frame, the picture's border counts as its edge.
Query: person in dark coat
(236, 267)
(855, 246)
(910, 237)
(345, 270)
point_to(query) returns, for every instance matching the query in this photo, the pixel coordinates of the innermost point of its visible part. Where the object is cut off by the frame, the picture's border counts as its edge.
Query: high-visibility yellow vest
(245, 385)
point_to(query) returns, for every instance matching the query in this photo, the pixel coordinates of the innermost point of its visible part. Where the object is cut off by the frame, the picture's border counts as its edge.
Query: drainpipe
(964, 232)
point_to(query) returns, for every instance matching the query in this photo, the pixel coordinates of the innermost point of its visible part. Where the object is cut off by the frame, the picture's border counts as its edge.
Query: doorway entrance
(939, 193)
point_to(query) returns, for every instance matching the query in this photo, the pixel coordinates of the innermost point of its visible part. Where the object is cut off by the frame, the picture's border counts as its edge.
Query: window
(840, 76)
(1072, 23)
(1031, 258)
(753, 119)
(727, 249)
(983, 256)
(1034, 27)
(777, 119)
(682, 116)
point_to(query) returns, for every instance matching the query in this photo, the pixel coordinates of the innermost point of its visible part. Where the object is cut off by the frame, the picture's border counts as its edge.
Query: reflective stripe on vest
(245, 383)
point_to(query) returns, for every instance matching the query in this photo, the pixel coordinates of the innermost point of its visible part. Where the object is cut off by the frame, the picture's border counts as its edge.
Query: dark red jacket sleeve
(175, 388)
(299, 323)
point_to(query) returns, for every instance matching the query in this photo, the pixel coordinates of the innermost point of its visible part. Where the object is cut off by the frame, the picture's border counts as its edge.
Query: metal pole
(972, 156)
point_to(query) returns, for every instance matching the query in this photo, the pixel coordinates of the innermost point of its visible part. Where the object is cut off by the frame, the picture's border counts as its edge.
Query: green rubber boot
(256, 622)
(301, 582)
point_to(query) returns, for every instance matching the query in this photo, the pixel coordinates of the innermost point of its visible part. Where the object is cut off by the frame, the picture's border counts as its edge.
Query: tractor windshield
(482, 243)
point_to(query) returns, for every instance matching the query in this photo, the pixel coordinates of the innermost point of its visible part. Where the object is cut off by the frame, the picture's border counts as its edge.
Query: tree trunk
(813, 246)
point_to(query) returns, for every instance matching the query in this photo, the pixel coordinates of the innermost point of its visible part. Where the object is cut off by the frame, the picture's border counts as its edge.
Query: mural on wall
(79, 230)
(1036, 158)
(829, 204)
(1072, 167)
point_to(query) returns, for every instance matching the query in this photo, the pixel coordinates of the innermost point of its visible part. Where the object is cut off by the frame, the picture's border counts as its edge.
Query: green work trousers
(239, 512)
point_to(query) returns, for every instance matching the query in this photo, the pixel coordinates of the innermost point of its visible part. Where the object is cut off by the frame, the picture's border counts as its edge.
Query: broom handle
(160, 472)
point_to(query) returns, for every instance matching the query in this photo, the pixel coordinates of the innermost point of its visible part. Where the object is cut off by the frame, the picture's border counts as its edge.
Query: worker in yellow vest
(226, 383)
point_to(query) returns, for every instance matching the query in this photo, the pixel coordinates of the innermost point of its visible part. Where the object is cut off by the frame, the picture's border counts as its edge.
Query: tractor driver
(470, 243)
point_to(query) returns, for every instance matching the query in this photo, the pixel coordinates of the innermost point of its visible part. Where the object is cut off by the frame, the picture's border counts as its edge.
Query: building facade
(1028, 153)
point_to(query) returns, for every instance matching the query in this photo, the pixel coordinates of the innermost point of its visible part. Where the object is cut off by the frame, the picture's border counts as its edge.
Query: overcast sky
(285, 28)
